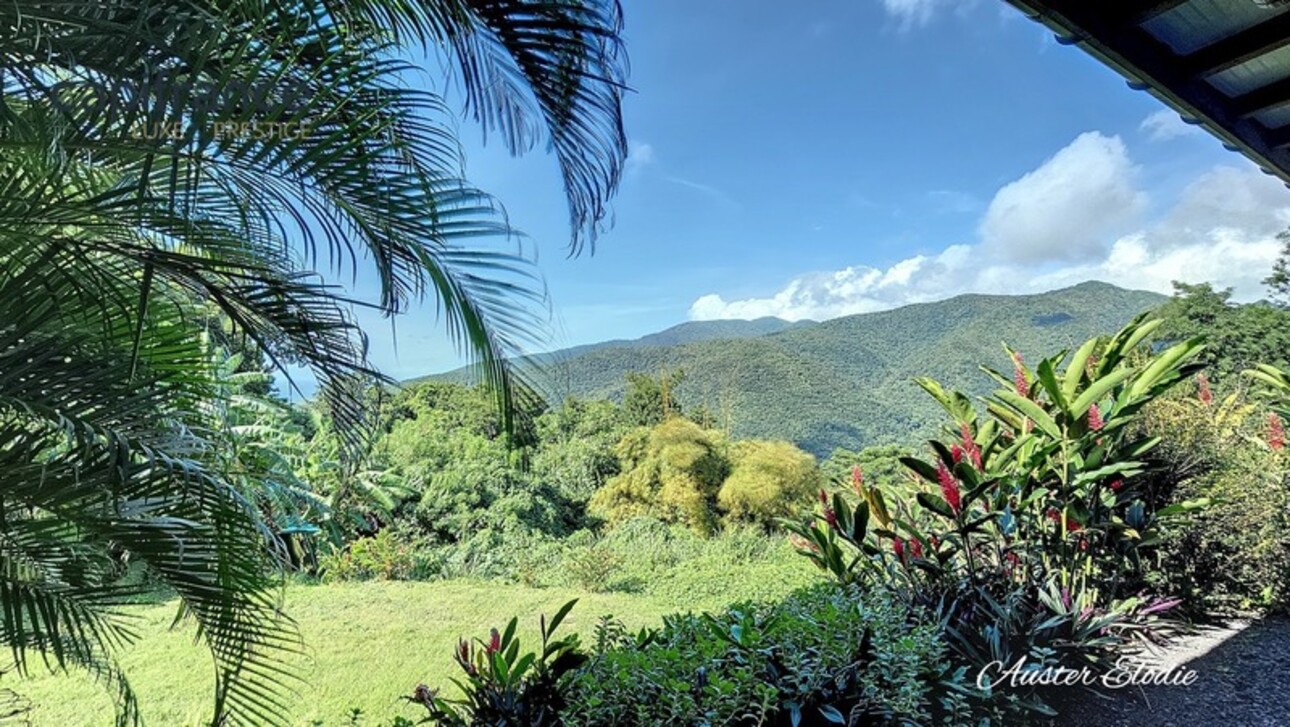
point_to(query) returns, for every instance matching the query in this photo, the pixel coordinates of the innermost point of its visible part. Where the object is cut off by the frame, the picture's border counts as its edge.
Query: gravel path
(1242, 680)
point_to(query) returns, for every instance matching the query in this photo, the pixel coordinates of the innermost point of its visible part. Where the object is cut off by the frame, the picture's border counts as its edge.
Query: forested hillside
(846, 382)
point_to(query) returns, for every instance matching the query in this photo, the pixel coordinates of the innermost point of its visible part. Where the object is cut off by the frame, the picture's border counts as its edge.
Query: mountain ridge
(847, 381)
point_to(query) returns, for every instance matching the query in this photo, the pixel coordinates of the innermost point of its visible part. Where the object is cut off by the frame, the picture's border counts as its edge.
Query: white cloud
(1222, 230)
(911, 12)
(857, 289)
(705, 189)
(639, 156)
(1068, 207)
(917, 13)
(1165, 124)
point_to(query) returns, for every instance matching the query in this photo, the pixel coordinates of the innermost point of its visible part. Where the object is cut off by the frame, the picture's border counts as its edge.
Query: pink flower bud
(1019, 376)
(1094, 418)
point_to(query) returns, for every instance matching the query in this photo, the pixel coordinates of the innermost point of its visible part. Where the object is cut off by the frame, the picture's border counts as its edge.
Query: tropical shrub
(1235, 554)
(679, 472)
(503, 687)
(767, 481)
(671, 471)
(823, 655)
(1028, 526)
(387, 556)
(591, 565)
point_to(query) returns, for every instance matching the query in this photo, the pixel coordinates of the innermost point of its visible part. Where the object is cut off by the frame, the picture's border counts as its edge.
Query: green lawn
(368, 644)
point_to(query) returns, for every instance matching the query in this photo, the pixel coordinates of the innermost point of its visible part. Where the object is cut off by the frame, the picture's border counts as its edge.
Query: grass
(367, 645)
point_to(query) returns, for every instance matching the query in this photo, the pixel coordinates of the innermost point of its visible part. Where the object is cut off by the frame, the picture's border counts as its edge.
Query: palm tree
(159, 157)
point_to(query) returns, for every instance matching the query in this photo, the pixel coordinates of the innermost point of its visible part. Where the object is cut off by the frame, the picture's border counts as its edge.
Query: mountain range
(844, 382)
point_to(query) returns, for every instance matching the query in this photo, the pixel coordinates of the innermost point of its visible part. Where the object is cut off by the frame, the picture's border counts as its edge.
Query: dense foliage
(174, 175)
(1091, 503)
(1029, 533)
(1239, 337)
(530, 505)
(824, 655)
(1099, 494)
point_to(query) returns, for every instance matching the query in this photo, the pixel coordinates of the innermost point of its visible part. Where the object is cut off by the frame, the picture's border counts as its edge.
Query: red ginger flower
(969, 445)
(494, 642)
(857, 479)
(1094, 418)
(898, 547)
(916, 548)
(1276, 433)
(1019, 376)
(1057, 517)
(956, 452)
(1202, 390)
(464, 657)
(830, 516)
(949, 486)
(1116, 484)
(1010, 562)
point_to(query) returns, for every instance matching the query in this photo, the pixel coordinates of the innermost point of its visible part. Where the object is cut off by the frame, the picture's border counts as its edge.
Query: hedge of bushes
(827, 654)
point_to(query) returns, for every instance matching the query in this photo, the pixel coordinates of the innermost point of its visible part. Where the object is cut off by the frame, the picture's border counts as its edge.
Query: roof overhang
(1221, 64)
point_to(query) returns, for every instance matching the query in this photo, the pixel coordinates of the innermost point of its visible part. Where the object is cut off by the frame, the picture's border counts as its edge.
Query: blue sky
(837, 156)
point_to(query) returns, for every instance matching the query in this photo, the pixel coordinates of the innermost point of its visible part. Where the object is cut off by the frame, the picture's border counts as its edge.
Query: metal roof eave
(1184, 98)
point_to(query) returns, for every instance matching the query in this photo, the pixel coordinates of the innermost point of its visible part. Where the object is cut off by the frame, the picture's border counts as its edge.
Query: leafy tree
(113, 237)
(768, 481)
(671, 471)
(1279, 281)
(575, 451)
(1239, 336)
(651, 399)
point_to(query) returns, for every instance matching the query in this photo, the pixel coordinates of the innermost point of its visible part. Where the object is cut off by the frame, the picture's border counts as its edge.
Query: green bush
(671, 471)
(679, 472)
(501, 687)
(592, 567)
(823, 653)
(768, 480)
(1236, 553)
(386, 556)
